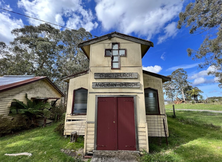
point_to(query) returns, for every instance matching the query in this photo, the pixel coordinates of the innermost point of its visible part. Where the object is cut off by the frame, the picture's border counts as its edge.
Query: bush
(9, 125)
(60, 127)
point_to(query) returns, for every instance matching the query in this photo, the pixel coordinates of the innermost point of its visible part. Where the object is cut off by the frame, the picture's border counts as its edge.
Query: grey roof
(9, 79)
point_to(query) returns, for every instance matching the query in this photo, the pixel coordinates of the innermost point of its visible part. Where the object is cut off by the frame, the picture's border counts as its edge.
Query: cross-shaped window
(115, 53)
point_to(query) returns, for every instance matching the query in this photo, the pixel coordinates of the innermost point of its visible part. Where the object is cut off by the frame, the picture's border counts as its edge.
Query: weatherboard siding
(75, 123)
(36, 89)
(155, 122)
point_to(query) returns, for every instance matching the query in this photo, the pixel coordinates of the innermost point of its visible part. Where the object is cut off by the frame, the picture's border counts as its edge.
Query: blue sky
(151, 20)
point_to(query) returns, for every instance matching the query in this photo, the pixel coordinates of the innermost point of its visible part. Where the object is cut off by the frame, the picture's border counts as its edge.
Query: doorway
(115, 123)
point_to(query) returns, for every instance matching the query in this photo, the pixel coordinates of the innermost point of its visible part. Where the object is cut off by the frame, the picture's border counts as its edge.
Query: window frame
(73, 102)
(158, 103)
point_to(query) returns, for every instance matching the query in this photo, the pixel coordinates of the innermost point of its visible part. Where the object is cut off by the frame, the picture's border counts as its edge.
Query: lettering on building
(115, 75)
(115, 85)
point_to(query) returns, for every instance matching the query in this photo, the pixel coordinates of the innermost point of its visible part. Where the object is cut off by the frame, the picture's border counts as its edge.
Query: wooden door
(126, 124)
(116, 123)
(107, 123)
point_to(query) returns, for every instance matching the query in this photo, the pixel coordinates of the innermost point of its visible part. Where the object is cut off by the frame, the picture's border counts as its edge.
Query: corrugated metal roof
(9, 79)
(12, 81)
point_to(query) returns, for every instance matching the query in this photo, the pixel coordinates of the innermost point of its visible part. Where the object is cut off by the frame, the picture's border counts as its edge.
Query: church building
(116, 104)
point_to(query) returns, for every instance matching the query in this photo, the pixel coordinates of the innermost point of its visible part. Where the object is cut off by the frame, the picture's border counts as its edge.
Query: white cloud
(141, 17)
(170, 31)
(58, 11)
(200, 77)
(154, 69)
(163, 56)
(7, 24)
(182, 66)
(199, 81)
(204, 72)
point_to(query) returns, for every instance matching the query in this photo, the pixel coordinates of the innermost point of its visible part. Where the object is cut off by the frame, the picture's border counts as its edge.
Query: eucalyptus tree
(169, 90)
(179, 79)
(205, 16)
(44, 50)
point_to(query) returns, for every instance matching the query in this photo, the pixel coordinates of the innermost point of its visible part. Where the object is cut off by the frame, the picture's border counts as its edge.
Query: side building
(116, 104)
(17, 86)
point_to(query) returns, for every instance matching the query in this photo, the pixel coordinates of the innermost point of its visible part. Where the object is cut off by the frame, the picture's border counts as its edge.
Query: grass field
(188, 141)
(199, 106)
(43, 143)
(194, 137)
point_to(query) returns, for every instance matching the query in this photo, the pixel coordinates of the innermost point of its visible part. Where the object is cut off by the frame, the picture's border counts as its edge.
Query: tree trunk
(183, 94)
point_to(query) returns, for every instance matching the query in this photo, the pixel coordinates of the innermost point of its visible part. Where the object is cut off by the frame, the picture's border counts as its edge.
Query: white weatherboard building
(115, 104)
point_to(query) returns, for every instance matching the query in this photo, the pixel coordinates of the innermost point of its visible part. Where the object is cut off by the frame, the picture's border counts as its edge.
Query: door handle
(114, 121)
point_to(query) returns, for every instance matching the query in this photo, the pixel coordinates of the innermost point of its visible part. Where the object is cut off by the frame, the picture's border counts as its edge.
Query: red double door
(115, 124)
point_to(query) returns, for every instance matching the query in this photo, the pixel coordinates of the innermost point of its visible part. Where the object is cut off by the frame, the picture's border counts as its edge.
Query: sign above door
(115, 75)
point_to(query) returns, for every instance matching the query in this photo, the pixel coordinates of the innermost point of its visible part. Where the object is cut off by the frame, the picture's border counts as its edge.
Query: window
(80, 101)
(151, 102)
(115, 53)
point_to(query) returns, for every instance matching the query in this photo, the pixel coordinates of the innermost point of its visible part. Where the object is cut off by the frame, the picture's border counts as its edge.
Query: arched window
(79, 101)
(151, 101)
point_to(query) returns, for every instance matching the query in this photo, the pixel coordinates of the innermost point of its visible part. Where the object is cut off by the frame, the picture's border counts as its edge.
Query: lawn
(43, 143)
(194, 136)
(198, 106)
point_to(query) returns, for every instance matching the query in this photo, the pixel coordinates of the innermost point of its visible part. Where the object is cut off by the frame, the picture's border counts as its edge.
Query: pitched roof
(164, 78)
(145, 44)
(67, 78)
(12, 81)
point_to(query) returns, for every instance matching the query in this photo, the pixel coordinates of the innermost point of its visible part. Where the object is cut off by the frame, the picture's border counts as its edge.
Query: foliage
(32, 109)
(194, 92)
(60, 127)
(44, 51)
(187, 95)
(169, 90)
(177, 84)
(10, 125)
(205, 15)
(43, 143)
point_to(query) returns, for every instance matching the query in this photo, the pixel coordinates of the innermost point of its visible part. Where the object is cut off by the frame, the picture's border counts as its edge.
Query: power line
(34, 18)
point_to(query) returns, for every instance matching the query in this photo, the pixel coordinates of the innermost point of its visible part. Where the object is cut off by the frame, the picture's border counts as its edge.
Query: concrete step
(117, 156)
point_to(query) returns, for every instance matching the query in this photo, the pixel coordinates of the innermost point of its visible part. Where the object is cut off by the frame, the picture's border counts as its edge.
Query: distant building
(116, 104)
(16, 86)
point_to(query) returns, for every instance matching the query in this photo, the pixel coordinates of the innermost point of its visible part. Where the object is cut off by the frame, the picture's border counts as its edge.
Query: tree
(169, 89)
(202, 16)
(194, 92)
(179, 81)
(187, 95)
(44, 51)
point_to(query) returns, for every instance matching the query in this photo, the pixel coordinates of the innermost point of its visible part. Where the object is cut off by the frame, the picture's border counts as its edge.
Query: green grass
(191, 140)
(199, 106)
(202, 118)
(43, 143)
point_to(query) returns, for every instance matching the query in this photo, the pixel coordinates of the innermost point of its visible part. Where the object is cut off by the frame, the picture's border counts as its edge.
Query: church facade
(116, 105)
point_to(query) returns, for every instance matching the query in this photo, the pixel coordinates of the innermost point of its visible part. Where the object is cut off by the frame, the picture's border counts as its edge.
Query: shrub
(60, 128)
(13, 124)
